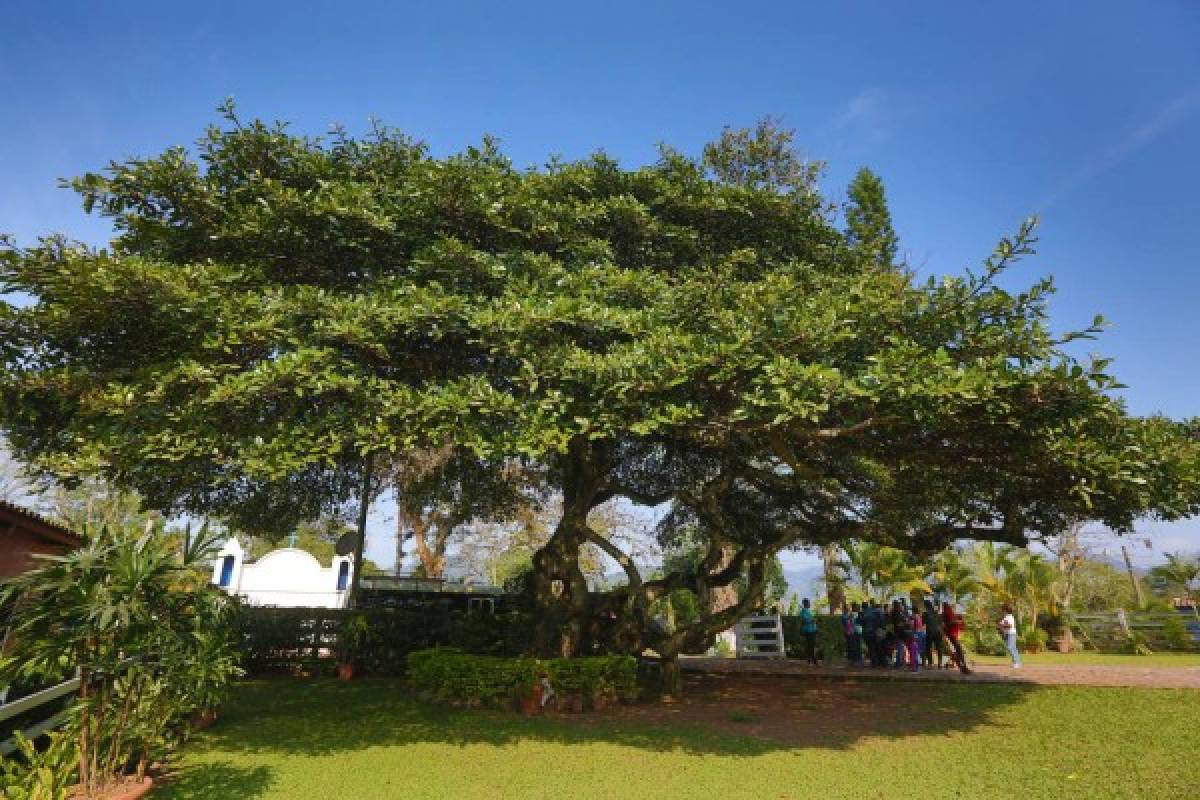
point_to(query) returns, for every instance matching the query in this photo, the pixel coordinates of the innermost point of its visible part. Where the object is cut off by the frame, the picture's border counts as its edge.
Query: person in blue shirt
(808, 629)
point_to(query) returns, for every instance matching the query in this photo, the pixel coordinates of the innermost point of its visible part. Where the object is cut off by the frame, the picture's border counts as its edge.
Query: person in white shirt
(1008, 629)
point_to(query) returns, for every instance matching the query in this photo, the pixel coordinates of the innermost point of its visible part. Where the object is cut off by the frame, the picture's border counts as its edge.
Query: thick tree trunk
(723, 597)
(672, 676)
(430, 544)
(560, 592)
(835, 588)
(560, 587)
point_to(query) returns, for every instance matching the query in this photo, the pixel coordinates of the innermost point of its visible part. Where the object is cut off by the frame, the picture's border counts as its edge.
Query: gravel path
(1051, 675)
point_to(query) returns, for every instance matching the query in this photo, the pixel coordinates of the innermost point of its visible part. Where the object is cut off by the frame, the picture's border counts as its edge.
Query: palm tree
(883, 572)
(1183, 572)
(952, 575)
(1031, 580)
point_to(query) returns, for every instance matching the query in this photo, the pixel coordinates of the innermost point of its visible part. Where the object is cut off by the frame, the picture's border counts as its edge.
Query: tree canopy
(695, 331)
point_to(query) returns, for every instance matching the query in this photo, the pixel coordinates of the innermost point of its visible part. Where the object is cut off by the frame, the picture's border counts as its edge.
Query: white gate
(760, 637)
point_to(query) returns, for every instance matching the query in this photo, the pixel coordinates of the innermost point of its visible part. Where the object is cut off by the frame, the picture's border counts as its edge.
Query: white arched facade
(288, 578)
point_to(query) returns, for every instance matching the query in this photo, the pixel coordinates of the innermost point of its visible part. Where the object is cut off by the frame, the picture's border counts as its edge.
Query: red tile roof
(13, 517)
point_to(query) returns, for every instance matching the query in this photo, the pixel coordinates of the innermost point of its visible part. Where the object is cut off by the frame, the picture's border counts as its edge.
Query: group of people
(901, 636)
(904, 636)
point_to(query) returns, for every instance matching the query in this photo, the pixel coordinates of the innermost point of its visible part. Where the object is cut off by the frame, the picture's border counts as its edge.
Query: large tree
(696, 332)
(440, 491)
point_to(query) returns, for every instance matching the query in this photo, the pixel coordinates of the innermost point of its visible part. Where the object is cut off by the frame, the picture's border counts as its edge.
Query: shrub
(1137, 644)
(985, 641)
(1031, 639)
(46, 773)
(1176, 634)
(452, 675)
(831, 639)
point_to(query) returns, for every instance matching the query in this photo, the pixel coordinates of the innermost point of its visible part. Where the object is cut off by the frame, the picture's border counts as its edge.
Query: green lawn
(1101, 659)
(368, 740)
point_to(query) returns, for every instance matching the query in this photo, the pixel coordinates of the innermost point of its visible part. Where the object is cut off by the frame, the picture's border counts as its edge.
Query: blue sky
(1087, 114)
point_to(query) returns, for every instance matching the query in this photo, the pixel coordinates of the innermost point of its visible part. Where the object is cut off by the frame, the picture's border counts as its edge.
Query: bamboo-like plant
(150, 642)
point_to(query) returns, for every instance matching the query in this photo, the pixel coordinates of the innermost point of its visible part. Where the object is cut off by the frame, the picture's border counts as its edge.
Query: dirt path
(1053, 675)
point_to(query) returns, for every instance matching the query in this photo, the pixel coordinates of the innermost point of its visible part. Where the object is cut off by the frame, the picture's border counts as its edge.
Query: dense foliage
(283, 640)
(450, 674)
(152, 642)
(696, 331)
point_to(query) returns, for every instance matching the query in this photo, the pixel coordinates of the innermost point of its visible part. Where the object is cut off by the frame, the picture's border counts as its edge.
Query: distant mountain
(801, 581)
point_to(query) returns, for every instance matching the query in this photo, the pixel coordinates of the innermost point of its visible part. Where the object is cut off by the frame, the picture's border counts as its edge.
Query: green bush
(46, 773)
(831, 639)
(1176, 635)
(1137, 644)
(985, 641)
(1032, 640)
(452, 675)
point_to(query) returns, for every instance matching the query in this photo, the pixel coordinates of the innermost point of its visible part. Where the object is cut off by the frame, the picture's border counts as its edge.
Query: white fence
(29, 703)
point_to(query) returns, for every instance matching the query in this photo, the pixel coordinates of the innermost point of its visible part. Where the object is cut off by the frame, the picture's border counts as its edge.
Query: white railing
(30, 702)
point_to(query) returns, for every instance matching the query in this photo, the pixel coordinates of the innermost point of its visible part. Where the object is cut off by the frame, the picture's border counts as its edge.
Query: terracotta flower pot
(531, 701)
(345, 672)
(600, 702)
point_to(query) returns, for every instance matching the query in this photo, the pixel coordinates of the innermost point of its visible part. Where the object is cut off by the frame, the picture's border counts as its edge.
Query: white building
(287, 577)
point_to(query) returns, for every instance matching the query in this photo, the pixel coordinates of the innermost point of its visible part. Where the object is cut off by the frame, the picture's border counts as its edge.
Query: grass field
(368, 740)
(1101, 659)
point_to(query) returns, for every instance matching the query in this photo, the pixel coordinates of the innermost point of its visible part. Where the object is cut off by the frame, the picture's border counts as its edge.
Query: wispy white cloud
(1125, 145)
(866, 114)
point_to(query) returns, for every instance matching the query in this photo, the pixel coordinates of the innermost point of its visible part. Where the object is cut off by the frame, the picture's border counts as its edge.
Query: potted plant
(570, 690)
(529, 688)
(602, 695)
(356, 634)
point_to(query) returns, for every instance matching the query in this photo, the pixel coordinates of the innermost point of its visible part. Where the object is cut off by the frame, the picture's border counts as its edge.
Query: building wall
(287, 578)
(17, 549)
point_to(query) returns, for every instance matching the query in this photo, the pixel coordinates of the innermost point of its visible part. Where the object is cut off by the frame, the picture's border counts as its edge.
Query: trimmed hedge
(452, 675)
(377, 641)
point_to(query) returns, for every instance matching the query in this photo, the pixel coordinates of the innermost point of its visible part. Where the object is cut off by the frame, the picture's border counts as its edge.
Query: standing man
(852, 627)
(934, 636)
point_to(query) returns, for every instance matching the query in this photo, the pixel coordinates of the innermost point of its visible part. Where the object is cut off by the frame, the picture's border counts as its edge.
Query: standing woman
(1008, 629)
(954, 627)
(918, 626)
(808, 629)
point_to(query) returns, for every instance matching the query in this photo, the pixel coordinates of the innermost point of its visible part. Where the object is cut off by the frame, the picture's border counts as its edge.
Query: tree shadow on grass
(742, 715)
(213, 779)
